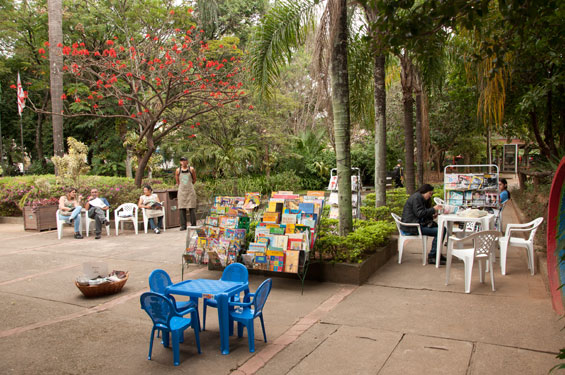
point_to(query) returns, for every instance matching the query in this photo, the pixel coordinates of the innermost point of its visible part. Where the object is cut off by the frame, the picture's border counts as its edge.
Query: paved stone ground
(405, 320)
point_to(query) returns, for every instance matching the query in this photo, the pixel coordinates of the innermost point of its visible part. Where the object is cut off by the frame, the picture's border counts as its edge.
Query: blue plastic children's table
(219, 290)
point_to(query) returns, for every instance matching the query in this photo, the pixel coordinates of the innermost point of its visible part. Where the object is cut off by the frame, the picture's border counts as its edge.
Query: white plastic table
(486, 222)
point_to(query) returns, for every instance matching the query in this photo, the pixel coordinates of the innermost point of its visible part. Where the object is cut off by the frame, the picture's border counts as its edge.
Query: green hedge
(367, 237)
(18, 191)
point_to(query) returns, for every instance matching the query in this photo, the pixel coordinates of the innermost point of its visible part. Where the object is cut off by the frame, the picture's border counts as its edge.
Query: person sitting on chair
(69, 210)
(150, 202)
(97, 208)
(417, 210)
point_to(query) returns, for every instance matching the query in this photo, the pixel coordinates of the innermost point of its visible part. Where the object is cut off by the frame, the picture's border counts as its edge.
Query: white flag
(21, 96)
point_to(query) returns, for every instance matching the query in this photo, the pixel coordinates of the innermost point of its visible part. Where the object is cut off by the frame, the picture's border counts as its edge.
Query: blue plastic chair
(233, 272)
(167, 320)
(248, 311)
(159, 280)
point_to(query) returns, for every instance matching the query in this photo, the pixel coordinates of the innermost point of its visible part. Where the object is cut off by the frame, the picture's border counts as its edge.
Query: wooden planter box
(42, 219)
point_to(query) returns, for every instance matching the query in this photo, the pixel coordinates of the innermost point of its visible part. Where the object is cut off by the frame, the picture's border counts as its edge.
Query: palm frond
(282, 29)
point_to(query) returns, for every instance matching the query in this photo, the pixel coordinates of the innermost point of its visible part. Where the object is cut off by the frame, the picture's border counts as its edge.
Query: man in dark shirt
(416, 210)
(398, 174)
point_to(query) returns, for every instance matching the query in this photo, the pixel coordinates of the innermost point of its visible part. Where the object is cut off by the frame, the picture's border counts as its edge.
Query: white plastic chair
(126, 212)
(146, 219)
(60, 224)
(528, 243)
(402, 238)
(88, 220)
(483, 250)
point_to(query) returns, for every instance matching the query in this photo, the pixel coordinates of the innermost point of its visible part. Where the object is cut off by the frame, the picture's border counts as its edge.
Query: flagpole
(22, 141)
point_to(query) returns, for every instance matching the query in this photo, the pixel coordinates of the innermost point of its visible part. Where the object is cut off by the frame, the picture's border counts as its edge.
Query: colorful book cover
(292, 261)
(272, 206)
(230, 233)
(261, 262)
(225, 244)
(334, 212)
(476, 182)
(289, 228)
(464, 181)
(276, 263)
(333, 183)
(252, 199)
(278, 230)
(212, 221)
(202, 243)
(264, 239)
(271, 217)
(319, 194)
(285, 195)
(292, 204)
(455, 198)
(295, 244)
(306, 208)
(280, 241)
(256, 247)
(334, 199)
(288, 218)
(214, 232)
(228, 222)
(240, 234)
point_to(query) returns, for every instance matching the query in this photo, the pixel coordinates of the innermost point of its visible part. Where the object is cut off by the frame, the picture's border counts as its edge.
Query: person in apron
(186, 177)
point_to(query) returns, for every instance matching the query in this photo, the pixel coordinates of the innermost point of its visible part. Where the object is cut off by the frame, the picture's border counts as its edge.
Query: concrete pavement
(405, 320)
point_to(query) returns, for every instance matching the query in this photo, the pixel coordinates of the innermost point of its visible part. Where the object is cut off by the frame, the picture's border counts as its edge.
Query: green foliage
(368, 236)
(15, 192)
(239, 186)
(72, 164)
(395, 200)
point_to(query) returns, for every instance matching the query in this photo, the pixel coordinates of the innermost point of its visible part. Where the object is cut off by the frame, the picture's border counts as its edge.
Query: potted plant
(40, 214)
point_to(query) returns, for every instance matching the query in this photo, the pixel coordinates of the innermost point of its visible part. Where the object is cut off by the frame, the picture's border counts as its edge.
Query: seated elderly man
(97, 208)
(417, 210)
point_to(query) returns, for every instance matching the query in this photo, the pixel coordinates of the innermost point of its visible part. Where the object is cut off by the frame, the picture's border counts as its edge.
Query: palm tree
(55, 15)
(284, 28)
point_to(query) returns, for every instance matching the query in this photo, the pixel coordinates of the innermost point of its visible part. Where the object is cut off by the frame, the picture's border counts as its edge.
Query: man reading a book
(97, 208)
(417, 210)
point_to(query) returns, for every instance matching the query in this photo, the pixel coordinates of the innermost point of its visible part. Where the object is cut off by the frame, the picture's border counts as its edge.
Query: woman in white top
(147, 200)
(69, 210)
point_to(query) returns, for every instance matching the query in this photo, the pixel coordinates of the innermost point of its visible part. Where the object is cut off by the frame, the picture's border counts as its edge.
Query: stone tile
(428, 355)
(494, 359)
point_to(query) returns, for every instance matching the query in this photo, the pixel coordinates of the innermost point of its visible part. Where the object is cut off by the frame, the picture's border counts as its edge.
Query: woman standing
(503, 187)
(186, 177)
(147, 201)
(69, 210)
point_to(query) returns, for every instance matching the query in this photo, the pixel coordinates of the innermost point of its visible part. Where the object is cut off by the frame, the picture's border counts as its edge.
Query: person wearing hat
(398, 174)
(186, 177)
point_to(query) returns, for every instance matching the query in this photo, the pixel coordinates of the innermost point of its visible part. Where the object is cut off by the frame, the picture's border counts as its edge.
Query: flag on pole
(21, 96)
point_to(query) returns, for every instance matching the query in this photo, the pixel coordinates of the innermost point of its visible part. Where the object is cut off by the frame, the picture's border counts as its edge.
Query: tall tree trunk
(380, 131)
(407, 79)
(426, 136)
(419, 138)
(340, 104)
(129, 172)
(141, 165)
(39, 132)
(55, 16)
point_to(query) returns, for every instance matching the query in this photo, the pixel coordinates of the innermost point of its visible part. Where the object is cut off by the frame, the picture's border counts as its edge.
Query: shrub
(16, 192)
(395, 200)
(368, 236)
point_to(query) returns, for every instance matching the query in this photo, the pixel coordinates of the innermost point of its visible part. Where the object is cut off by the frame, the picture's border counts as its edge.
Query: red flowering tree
(160, 81)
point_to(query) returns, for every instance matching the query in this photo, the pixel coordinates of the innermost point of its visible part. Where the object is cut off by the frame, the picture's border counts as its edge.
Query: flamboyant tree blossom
(160, 81)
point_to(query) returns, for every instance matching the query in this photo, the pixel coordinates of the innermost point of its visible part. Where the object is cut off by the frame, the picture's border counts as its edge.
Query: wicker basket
(102, 289)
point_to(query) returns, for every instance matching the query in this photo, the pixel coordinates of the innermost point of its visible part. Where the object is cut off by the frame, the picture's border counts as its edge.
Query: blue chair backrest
(235, 272)
(159, 308)
(261, 295)
(159, 280)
